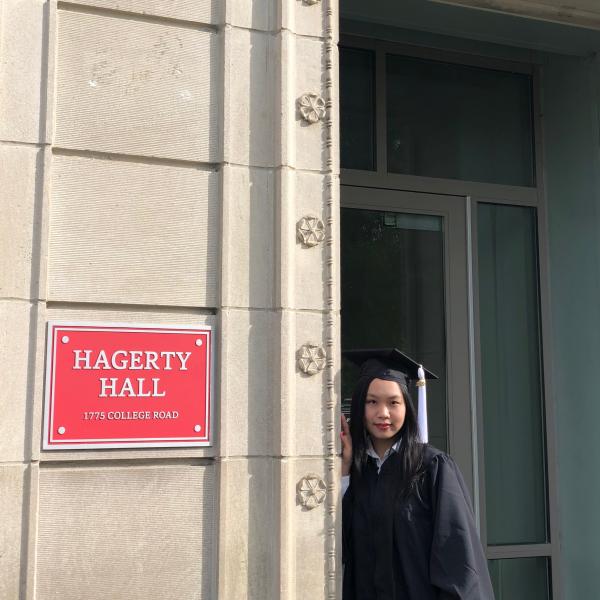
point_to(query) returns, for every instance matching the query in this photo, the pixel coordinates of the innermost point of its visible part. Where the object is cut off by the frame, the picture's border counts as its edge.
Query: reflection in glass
(520, 578)
(511, 375)
(393, 296)
(458, 122)
(357, 108)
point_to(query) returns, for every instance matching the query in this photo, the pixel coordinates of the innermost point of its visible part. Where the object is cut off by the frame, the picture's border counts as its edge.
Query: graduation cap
(391, 364)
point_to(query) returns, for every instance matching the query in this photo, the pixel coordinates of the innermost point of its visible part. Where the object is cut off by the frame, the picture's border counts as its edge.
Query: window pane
(459, 122)
(393, 296)
(520, 578)
(511, 375)
(357, 108)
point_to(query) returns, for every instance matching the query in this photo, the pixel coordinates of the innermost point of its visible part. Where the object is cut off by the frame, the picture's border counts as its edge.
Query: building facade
(302, 176)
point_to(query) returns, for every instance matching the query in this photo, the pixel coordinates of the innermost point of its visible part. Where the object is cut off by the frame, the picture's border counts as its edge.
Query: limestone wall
(173, 162)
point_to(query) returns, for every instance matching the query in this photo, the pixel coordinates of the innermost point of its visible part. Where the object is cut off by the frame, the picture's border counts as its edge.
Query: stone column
(279, 302)
(23, 157)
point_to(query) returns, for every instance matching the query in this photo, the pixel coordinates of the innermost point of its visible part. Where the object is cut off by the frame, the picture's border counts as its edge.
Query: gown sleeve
(347, 509)
(458, 567)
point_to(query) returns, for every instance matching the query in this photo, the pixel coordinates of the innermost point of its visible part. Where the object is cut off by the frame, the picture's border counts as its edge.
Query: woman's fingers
(346, 447)
(345, 426)
(346, 438)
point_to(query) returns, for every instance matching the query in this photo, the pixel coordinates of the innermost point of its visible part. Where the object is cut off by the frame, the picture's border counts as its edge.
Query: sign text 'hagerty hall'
(123, 386)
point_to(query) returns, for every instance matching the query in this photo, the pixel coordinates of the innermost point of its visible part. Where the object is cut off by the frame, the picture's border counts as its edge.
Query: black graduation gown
(418, 548)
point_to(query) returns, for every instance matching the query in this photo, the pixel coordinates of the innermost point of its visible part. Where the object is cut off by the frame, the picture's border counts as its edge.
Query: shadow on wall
(34, 293)
(263, 325)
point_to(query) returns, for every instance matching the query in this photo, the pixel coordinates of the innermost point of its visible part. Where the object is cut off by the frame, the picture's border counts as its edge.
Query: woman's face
(385, 409)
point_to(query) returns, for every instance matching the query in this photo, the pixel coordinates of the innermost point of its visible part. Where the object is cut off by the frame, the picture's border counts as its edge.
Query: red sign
(127, 386)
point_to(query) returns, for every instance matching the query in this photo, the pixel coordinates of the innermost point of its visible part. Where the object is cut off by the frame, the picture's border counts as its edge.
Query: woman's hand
(346, 447)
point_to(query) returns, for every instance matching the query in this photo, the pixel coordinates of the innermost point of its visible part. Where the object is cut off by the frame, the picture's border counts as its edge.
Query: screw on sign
(118, 386)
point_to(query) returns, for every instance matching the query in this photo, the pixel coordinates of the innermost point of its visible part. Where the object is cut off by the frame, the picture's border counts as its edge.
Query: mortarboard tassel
(422, 414)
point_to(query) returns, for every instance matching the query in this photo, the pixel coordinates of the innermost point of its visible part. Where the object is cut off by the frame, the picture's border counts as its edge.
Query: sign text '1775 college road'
(123, 386)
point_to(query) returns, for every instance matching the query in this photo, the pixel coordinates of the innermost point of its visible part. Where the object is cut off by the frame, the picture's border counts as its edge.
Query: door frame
(472, 193)
(459, 392)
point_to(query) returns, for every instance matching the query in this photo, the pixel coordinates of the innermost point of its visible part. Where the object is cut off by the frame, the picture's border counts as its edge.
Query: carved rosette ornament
(312, 107)
(311, 359)
(311, 231)
(311, 491)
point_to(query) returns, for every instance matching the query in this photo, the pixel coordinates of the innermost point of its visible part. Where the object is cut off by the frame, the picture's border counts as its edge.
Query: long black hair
(411, 448)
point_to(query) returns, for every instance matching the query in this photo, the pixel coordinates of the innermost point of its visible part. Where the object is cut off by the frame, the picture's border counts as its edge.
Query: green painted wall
(570, 99)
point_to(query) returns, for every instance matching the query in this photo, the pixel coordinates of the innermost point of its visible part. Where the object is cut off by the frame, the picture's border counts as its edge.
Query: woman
(408, 527)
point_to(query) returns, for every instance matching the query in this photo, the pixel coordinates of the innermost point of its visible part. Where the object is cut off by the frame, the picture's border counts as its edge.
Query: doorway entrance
(404, 285)
(442, 230)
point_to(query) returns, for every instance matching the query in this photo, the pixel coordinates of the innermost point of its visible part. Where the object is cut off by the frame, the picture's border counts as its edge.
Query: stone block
(258, 15)
(309, 543)
(132, 233)
(249, 402)
(307, 261)
(251, 121)
(248, 250)
(199, 11)
(142, 533)
(310, 144)
(310, 261)
(17, 332)
(116, 314)
(20, 195)
(136, 87)
(22, 82)
(11, 533)
(304, 18)
(249, 527)
(306, 432)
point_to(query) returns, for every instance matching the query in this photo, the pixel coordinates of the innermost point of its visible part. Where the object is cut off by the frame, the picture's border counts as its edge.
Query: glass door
(454, 282)
(404, 285)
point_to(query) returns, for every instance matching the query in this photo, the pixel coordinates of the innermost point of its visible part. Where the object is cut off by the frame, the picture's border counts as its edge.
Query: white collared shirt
(378, 461)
